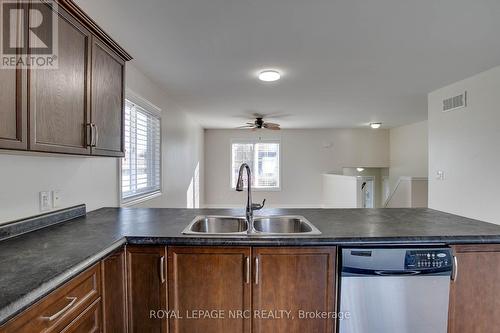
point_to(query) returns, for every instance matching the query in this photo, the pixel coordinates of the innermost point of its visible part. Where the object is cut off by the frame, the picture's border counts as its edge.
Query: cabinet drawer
(88, 322)
(59, 308)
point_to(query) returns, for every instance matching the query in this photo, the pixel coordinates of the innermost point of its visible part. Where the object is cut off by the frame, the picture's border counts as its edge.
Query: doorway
(366, 188)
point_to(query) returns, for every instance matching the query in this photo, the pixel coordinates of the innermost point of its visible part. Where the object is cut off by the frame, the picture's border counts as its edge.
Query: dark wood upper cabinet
(475, 293)
(146, 288)
(108, 71)
(114, 289)
(59, 98)
(75, 108)
(294, 279)
(13, 131)
(209, 278)
(13, 116)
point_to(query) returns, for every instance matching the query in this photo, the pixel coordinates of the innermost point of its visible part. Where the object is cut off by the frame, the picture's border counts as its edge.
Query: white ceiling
(345, 63)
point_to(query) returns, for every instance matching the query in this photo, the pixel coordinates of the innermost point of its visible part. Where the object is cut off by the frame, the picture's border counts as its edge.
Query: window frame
(157, 112)
(254, 141)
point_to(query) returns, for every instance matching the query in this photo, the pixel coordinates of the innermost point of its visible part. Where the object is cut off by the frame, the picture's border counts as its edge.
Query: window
(263, 159)
(141, 166)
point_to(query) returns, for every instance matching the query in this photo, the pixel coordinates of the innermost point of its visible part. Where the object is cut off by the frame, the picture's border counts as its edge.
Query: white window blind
(141, 166)
(263, 159)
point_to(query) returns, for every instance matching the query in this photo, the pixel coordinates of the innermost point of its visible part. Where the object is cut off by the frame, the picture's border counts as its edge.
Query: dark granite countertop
(34, 264)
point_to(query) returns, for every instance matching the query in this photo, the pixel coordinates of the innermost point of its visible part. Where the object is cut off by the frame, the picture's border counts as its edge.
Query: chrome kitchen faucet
(250, 205)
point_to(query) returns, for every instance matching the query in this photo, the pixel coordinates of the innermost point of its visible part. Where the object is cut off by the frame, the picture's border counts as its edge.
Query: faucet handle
(258, 206)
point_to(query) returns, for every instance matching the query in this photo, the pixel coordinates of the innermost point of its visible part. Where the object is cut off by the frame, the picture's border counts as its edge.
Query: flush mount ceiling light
(375, 125)
(269, 76)
(360, 169)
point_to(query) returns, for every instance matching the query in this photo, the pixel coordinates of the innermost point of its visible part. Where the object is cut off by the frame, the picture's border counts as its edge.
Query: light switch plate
(45, 203)
(56, 198)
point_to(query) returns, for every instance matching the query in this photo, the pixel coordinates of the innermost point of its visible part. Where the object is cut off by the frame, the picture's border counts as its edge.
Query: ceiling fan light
(269, 76)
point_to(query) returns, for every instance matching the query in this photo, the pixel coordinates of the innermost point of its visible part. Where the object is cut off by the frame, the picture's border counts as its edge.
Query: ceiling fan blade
(272, 126)
(245, 126)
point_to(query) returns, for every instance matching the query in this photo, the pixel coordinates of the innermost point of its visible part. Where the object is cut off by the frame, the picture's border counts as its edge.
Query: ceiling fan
(260, 123)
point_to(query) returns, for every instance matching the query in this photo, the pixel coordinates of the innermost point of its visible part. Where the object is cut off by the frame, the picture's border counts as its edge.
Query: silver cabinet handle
(256, 270)
(247, 270)
(96, 135)
(454, 274)
(162, 269)
(63, 310)
(92, 135)
(90, 132)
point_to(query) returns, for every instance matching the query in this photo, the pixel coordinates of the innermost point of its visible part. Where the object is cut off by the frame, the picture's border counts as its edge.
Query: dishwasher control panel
(428, 259)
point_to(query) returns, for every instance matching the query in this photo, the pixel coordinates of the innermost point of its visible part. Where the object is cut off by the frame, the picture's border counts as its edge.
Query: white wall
(182, 147)
(340, 191)
(94, 181)
(409, 152)
(465, 145)
(306, 155)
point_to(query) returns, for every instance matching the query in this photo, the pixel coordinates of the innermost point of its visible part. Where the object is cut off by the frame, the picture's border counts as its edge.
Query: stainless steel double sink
(291, 226)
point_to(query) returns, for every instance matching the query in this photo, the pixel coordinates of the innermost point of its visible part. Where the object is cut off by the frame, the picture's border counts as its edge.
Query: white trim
(157, 112)
(254, 141)
(139, 199)
(142, 102)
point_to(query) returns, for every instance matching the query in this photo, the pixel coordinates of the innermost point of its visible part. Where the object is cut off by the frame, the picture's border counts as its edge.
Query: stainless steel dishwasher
(395, 290)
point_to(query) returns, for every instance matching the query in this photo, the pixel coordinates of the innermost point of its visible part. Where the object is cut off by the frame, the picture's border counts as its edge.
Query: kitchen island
(35, 264)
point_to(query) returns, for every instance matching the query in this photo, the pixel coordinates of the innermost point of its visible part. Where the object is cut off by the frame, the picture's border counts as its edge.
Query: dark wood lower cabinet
(65, 309)
(298, 280)
(114, 291)
(475, 293)
(210, 288)
(146, 288)
(254, 289)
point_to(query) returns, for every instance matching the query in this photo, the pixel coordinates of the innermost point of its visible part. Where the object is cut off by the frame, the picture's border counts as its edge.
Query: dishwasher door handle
(397, 273)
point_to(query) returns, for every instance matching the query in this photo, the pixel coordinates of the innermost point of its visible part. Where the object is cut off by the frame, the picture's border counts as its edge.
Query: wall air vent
(456, 102)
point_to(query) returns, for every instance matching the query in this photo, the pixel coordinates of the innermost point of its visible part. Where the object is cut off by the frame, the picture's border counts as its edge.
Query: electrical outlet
(440, 175)
(45, 201)
(56, 198)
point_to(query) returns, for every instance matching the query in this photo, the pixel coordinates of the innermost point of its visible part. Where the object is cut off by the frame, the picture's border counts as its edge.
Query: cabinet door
(12, 116)
(114, 302)
(13, 121)
(295, 280)
(107, 100)
(209, 279)
(475, 292)
(146, 285)
(59, 98)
